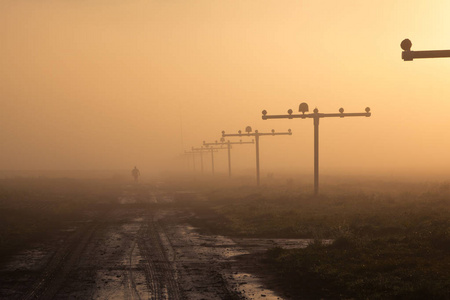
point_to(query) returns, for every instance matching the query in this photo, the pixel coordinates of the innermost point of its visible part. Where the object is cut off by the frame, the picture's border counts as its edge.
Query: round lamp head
(303, 107)
(406, 45)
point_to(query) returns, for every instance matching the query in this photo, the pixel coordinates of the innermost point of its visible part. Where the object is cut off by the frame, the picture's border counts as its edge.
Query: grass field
(392, 244)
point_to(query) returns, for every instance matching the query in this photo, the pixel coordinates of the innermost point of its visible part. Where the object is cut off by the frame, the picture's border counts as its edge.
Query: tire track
(131, 291)
(63, 261)
(56, 271)
(159, 270)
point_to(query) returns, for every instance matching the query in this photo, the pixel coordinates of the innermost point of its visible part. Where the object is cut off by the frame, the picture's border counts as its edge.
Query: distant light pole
(228, 144)
(212, 150)
(315, 116)
(201, 157)
(193, 157)
(408, 55)
(256, 134)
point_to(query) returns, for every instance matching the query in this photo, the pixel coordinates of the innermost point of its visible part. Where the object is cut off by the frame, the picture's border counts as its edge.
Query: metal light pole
(408, 55)
(315, 116)
(228, 144)
(256, 134)
(193, 157)
(201, 150)
(201, 157)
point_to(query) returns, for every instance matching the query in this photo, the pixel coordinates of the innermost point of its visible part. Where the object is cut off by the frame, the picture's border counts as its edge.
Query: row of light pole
(206, 147)
(407, 55)
(228, 147)
(201, 150)
(256, 134)
(248, 133)
(303, 109)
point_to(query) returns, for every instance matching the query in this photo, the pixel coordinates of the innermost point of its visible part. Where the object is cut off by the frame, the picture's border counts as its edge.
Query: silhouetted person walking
(135, 173)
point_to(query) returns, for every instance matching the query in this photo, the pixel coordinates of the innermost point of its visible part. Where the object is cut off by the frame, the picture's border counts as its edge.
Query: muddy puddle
(223, 258)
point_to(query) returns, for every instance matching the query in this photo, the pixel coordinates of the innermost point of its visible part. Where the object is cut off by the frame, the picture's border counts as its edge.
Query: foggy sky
(112, 84)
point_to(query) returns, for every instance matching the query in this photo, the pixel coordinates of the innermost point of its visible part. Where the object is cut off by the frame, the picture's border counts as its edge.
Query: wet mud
(141, 248)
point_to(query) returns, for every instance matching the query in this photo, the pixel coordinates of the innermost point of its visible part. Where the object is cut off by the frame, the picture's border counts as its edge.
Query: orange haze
(107, 84)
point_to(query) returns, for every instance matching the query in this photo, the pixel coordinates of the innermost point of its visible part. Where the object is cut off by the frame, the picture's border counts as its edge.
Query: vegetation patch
(365, 269)
(393, 245)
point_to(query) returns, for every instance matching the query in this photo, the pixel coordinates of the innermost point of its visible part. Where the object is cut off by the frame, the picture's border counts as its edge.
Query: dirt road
(139, 248)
